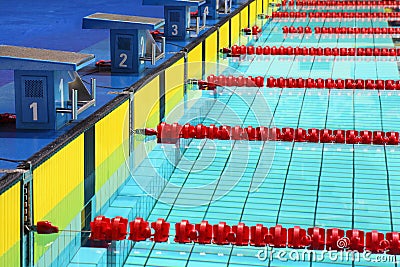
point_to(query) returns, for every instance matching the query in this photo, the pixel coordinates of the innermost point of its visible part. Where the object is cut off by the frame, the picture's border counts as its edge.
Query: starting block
(130, 40)
(47, 85)
(177, 17)
(215, 7)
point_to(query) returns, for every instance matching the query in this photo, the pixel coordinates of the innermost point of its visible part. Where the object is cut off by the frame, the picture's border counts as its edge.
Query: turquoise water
(305, 184)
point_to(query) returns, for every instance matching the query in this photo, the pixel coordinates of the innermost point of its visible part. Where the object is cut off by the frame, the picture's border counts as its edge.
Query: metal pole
(74, 104)
(26, 219)
(163, 45)
(204, 19)
(93, 86)
(153, 54)
(197, 25)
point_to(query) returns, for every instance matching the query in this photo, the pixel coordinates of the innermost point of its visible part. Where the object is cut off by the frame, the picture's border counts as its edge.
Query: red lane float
(349, 15)
(7, 118)
(46, 228)
(346, 30)
(330, 83)
(103, 228)
(170, 133)
(222, 80)
(255, 30)
(214, 81)
(314, 238)
(339, 3)
(343, 3)
(311, 51)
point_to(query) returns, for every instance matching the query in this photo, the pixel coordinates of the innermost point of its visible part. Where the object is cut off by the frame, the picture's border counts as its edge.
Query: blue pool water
(305, 184)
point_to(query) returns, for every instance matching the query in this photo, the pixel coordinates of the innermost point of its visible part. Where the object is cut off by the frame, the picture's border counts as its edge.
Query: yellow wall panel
(111, 144)
(212, 47)
(111, 131)
(224, 35)
(10, 217)
(259, 7)
(253, 13)
(58, 191)
(174, 85)
(235, 28)
(147, 105)
(266, 6)
(111, 174)
(195, 62)
(211, 53)
(57, 177)
(244, 18)
(109, 166)
(61, 215)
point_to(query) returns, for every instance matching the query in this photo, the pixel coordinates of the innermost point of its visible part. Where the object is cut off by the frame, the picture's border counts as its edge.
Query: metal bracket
(23, 167)
(80, 99)
(227, 7)
(26, 244)
(152, 54)
(198, 28)
(9, 171)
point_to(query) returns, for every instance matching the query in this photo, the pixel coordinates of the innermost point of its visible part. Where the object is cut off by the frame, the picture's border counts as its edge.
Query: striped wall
(224, 35)
(266, 7)
(244, 18)
(210, 54)
(194, 62)
(97, 159)
(147, 105)
(253, 13)
(10, 221)
(58, 193)
(111, 152)
(259, 7)
(174, 90)
(146, 115)
(235, 28)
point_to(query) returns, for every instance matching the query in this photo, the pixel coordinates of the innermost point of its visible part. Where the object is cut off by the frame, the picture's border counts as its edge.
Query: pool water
(289, 183)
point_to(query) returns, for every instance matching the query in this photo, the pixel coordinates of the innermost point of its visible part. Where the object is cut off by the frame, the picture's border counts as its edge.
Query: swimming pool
(289, 183)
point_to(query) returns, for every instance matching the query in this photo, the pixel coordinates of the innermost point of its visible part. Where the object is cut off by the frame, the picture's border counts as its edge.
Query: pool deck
(58, 26)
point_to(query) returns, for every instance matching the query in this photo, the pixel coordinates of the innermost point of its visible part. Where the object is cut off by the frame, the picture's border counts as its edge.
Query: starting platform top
(174, 2)
(26, 58)
(115, 21)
